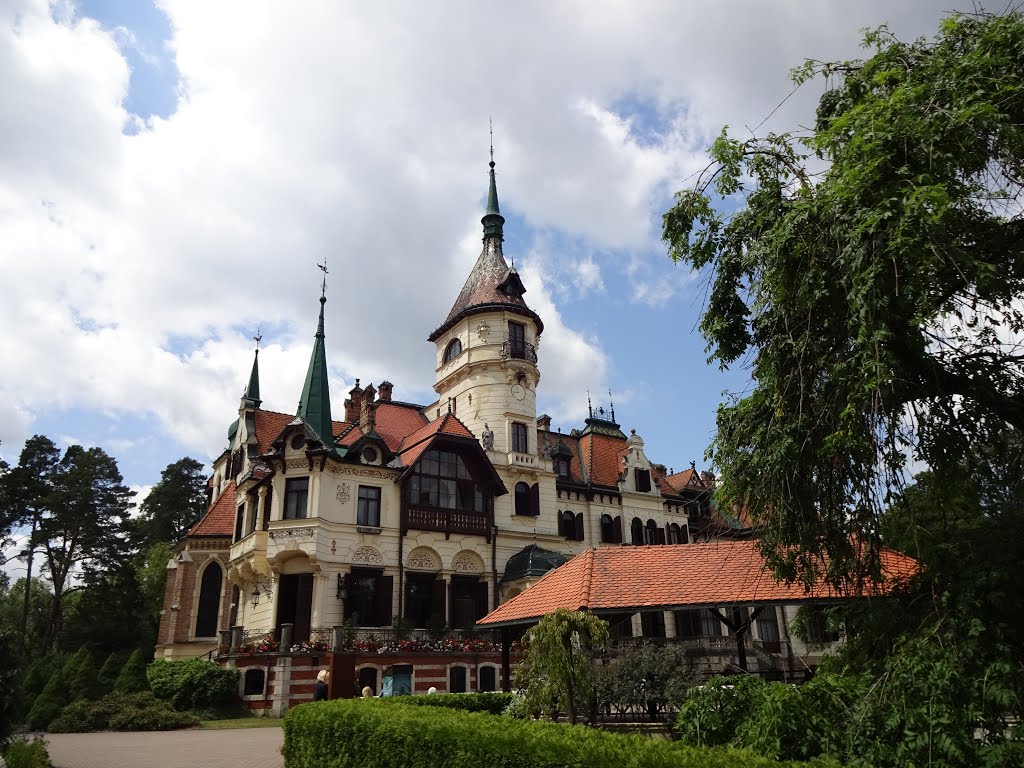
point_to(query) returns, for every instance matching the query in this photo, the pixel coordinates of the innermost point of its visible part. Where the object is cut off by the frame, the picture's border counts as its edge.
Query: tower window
(517, 340)
(368, 512)
(562, 466)
(519, 442)
(453, 350)
(296, 498)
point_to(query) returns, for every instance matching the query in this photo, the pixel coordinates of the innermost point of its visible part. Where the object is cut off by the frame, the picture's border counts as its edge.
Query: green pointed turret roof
(491, 284)
(252, 391)
(315, 405)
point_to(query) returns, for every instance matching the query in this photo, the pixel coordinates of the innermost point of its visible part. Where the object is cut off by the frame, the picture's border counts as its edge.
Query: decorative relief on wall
(380, 474)
(367, 555)
(423, 559)
(467, 562)
(290, 532)
(343, 494)
(297, 464)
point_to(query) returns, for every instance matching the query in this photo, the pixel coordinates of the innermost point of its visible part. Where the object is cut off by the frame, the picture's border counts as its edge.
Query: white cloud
(355, 133)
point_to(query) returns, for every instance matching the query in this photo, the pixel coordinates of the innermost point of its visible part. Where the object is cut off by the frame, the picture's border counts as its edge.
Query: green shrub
(107, 676)
(133, 675)
(21, 753)
(711, 713)
(141, 711)
(194, 685)
(83, 680)
(492, 702)
(50, 702)
(379, 734)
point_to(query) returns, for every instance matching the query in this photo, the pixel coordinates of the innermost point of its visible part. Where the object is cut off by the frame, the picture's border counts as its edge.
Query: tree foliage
(878, 301)
(175, 503)
(558, 671)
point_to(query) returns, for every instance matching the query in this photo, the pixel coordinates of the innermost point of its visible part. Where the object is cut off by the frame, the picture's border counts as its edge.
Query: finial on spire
(590, 408)
(258, 338)
(610, 403)
(490, 121)
(492, 220)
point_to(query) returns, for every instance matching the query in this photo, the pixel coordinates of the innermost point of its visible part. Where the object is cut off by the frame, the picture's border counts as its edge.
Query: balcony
(519, 350)
(448, 521)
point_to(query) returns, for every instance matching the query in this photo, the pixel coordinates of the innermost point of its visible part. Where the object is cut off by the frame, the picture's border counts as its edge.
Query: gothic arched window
(209, 601)
(636, 531)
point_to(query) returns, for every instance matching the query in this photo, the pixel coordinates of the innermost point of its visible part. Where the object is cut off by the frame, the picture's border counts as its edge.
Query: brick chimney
(354, 403)
(384, 394)
(368, 411)
(544, 422)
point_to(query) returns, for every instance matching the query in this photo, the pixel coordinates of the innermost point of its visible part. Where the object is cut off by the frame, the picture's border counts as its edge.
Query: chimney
(368, 411)
(354, 403)
(707, 477)
(544, 422)
(385, 391)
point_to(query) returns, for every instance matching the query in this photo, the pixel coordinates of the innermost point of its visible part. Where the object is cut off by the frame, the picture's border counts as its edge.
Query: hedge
(122, 712)
(377, 734)
(194, 684)
(22, 753)
(493, 703)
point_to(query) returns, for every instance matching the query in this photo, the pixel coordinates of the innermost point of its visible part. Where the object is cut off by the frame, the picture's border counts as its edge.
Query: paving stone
(235, 748)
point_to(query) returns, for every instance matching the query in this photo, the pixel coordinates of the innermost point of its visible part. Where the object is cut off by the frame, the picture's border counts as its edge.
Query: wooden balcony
(448, 521)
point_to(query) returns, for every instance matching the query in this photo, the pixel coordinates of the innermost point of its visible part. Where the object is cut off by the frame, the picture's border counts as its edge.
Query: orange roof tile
(395, 421)
(414, 445)
(219, 519)
(602, 458)
(717, 573)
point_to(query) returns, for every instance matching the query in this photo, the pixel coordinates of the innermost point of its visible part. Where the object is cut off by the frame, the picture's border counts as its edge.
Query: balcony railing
(519, 350)
(448, 521)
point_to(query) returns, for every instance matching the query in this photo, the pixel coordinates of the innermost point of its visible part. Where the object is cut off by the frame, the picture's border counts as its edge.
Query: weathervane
(323, 268)
(258, 338)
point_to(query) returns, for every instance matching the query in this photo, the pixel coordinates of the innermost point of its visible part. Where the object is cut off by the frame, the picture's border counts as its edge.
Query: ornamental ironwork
(519, 350)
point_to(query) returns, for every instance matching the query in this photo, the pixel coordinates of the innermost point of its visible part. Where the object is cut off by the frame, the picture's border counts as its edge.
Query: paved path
(236, 748)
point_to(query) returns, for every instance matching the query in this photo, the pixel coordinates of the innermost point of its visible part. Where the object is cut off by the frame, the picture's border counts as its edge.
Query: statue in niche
(487, 438)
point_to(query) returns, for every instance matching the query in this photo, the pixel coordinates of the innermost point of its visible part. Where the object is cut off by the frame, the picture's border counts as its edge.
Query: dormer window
(453, 350)
(561, 466)
(642, 479)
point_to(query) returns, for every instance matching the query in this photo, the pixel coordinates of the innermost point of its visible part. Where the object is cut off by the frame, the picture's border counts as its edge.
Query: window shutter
(659, 536)
(579, 526)
(382, 608)
(535, 500)
(437, 605)
(617, 538)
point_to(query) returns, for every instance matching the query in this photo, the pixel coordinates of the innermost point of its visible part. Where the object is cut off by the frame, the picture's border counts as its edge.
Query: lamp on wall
(264, 586)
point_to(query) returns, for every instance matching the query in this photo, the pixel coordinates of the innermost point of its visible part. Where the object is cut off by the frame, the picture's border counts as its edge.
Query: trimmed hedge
(377, 734)
(122, 712)
(492, 703)
(194, 684)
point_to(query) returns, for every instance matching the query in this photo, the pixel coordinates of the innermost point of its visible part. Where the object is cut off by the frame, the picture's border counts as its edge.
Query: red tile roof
(414, 445)
(395, 421)
(717, 573)
(219, 519)
(602, 458)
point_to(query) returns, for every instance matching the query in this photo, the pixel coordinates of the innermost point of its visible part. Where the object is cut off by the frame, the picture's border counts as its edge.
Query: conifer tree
(133, 675)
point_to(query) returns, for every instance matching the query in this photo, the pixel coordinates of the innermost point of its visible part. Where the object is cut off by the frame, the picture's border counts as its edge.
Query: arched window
(487, 679)
(673, 533)
(457, 680)
(651, 532)
(209, 601)
(607, 530)
(636, 531)
(255, 678)
(453, 350)
(567, 524)
(523, 499)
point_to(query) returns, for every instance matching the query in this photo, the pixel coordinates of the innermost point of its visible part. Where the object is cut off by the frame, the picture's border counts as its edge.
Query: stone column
(261, 508)
(236, 639)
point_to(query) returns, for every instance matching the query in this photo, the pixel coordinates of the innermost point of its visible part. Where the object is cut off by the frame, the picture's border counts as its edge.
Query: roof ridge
(588, 577)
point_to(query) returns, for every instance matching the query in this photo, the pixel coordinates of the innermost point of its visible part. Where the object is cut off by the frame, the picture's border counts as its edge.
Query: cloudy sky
(172, 172)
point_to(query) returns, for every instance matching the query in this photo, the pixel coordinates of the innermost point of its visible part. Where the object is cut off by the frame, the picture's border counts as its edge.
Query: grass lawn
(241, 722)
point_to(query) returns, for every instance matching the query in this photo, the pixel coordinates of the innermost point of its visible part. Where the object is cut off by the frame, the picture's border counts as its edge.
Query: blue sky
(170, 175)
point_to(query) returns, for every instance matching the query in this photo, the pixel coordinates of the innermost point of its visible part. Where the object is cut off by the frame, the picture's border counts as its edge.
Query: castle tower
(487, 370)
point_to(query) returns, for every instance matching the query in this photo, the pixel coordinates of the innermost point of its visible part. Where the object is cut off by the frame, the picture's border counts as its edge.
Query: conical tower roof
(491, 284)
(252, 391)
(315, 405)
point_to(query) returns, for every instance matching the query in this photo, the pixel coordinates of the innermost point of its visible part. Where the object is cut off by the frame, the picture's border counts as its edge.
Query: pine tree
(84, 681)
(133, 675)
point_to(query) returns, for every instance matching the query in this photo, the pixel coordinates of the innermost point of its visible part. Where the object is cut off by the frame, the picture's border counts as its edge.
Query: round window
(297, 442)
(370, 454)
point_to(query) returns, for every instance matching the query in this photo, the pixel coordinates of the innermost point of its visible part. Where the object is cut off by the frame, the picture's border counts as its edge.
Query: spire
(492, 220)
(251, 395)
(315, 405)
